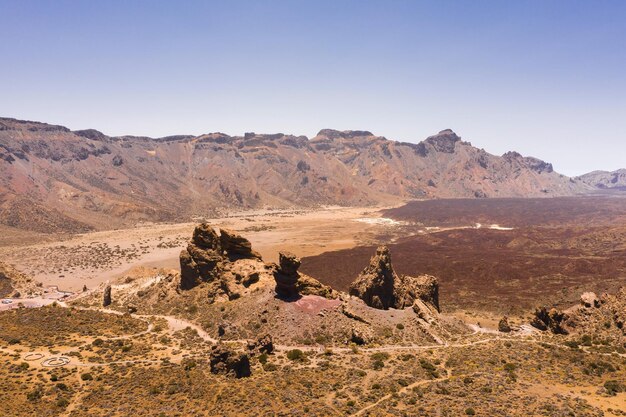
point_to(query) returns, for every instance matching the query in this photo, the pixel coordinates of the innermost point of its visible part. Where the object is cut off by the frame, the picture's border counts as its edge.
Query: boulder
(106, 296)
(424, 288)
(360, 337)
(263, 344)
(552, 320)
(227, 329)
(503, 325)
(228, 362)
(307, 285)
(589, 299)
(236, 246)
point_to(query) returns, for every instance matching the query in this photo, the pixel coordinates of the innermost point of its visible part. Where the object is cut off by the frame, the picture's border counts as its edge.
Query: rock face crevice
(380, 287)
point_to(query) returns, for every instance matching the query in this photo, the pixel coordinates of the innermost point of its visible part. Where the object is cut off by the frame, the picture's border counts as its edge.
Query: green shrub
(35, 395)
(613, 387)
(470, 411)
(295, 355)
(380, 356)
(86, 377)
(62, 402)
(509, 367)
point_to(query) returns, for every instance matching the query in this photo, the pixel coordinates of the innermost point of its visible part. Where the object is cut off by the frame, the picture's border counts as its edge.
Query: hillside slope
(605, 179)
(53, 179)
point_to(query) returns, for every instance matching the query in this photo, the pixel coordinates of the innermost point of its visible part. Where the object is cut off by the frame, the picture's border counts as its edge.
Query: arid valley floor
(115, 329)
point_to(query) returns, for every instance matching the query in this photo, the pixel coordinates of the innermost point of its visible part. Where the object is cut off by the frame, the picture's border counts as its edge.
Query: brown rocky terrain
(499, 255)
(162, 347)
(56, 180)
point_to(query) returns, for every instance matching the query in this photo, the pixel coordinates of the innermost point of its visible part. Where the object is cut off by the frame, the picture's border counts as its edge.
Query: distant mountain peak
(444, 141)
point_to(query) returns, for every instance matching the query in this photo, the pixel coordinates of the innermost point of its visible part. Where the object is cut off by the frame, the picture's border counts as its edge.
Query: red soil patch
(313, 304)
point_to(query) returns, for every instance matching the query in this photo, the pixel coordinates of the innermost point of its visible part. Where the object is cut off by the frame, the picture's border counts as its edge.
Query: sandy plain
(93, 258)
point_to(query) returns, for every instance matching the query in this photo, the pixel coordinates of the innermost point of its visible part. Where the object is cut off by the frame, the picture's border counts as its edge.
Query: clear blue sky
(546, 78)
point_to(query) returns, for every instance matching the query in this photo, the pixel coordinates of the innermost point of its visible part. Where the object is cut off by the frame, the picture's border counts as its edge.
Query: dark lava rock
(106, 297)
(552, 320)
(503, 325)
(228, 362)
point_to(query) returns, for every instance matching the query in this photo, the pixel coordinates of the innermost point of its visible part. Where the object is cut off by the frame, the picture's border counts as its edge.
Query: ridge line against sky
(545, 79)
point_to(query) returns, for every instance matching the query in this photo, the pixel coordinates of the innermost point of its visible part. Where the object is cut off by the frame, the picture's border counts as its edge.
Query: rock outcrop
(202, 258)
(604, 317)
(552, 320)
(236, 246)
(263, 344)
(376, 283)
(589, 299)
(228, 362)
(360, 336)
(14, 284)
(286, 274)
(380, 287)
(290, 283)
(219, 262)
(106, 296)
(503, 325)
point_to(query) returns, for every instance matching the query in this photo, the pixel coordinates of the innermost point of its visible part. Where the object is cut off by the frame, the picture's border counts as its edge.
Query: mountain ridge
(56, 179)
(605, 179)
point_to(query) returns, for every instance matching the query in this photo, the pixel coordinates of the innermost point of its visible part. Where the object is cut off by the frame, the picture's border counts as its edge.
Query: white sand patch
(381, 221)
(498, 227)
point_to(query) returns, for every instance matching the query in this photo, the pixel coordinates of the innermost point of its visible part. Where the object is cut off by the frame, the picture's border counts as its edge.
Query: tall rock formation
(290, 283)
(225, 263)
(380, 287)
(286, 275)
(106, 296)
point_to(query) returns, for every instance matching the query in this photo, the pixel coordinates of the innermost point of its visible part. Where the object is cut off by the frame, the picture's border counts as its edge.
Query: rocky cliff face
(225, 264)
(605, 179)
(380, 287)
(53, 179)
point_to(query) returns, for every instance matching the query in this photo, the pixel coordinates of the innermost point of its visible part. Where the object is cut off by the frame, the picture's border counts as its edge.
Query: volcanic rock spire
(380, 287)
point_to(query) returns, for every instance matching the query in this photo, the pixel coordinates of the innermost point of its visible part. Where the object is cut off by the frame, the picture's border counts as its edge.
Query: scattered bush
(295, 355)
